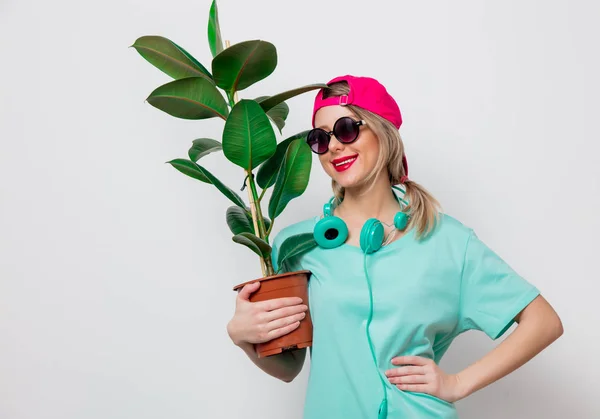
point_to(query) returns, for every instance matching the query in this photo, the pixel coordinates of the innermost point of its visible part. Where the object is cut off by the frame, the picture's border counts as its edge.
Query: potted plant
(248, 141)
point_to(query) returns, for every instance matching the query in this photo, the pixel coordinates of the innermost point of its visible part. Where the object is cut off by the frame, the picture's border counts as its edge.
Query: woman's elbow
(290, 376)
(541, 315)
(554, 323)
(558, 327)
(298, 357)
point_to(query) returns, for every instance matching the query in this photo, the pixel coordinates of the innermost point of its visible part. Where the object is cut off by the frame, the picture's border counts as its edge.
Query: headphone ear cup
(330, 232)
(371, 235)
(400, 220)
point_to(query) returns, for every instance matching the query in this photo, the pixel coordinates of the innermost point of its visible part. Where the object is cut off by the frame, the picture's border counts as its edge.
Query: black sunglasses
(345, 130)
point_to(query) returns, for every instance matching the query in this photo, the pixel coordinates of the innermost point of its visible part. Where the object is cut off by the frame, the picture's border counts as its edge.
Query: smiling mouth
(345, 164)
(345, 161)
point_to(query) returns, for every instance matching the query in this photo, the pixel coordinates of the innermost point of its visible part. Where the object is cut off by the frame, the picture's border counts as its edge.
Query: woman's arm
(263, 321)
(538, 326)
(284, 366)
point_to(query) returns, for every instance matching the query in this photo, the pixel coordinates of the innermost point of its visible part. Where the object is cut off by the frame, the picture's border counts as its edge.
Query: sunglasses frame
(329, 133)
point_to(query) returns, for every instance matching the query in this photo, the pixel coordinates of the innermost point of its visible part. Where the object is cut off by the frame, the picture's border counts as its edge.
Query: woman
(395, 284)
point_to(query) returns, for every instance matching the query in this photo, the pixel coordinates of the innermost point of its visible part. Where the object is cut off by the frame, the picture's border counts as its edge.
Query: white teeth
(345, 161)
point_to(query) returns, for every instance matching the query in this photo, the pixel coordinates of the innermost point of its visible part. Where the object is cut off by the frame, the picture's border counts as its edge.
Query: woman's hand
(423, 375)
(263, 321)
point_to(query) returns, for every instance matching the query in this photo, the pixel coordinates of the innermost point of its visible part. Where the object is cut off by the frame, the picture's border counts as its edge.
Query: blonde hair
(423, 208)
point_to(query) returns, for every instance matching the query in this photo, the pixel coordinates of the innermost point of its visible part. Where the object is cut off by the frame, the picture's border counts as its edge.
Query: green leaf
(192, 168)
(189, 168)
(243, 64)
(203, 146)
(197, 63)
(238, 220)
(278, 114)
(256, 244)
(270, 102)
(267, 172)
(214, 30)
(248, 137)
(170, 58)
(293, 246)
(189, 98)
(292, 178)
(267, 223)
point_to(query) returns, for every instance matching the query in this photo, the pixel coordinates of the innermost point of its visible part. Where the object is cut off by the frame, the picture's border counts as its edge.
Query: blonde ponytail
(423, 208)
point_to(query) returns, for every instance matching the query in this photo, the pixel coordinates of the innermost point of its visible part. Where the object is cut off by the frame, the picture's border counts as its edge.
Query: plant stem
(262, 193)
(257, 218)
(260, 227)
(259, 222)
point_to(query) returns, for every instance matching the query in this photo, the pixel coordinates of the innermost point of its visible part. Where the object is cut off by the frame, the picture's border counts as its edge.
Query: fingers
(285, 312)
(421, 388)
(262, 321)
(277, 303)
(407, 375)
(273, 334)
(409, 379)
(248, 289)
(408, 370)
(279, 323)
(411, 360)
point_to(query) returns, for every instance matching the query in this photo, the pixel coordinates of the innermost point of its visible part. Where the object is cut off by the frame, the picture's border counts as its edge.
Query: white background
(116, 270)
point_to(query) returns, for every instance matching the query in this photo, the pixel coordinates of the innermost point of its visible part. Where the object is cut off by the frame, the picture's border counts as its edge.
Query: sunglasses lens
(318, 140)
(345, 130)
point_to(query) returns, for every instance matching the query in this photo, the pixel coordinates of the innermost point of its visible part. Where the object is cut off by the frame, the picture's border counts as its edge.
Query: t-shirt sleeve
(492, 293)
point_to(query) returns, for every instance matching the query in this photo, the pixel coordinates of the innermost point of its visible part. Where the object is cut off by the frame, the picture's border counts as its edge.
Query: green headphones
(331, 231)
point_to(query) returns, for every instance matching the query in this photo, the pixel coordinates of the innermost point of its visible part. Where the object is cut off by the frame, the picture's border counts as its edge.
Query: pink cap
(366, 93)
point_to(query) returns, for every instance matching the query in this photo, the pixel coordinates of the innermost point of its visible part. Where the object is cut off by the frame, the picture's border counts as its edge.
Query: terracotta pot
(290, 284)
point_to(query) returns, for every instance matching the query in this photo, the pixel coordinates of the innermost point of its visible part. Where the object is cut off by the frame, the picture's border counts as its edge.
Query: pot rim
(268, 278)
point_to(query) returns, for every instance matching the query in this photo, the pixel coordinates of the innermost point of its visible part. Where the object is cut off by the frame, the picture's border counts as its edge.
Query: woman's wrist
(463, 387)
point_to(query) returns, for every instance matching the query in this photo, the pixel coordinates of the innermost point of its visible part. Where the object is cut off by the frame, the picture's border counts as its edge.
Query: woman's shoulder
(449, 227)
(303, 226)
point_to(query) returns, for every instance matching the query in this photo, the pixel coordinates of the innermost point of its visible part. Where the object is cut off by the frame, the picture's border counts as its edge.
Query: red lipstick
(343, 163)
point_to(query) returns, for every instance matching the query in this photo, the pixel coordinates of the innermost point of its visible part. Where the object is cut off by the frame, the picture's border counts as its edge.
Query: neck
(380, 202)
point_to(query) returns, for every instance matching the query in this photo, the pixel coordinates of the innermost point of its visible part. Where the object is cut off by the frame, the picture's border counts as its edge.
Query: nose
(334, 144)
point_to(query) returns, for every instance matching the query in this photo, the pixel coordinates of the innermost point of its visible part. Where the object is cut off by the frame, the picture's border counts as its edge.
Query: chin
(349, 180)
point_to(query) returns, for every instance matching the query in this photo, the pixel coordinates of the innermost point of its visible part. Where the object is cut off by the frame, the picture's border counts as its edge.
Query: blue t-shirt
(425, 293)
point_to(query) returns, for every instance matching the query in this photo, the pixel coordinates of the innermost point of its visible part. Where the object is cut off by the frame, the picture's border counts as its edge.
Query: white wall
(116, 270)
